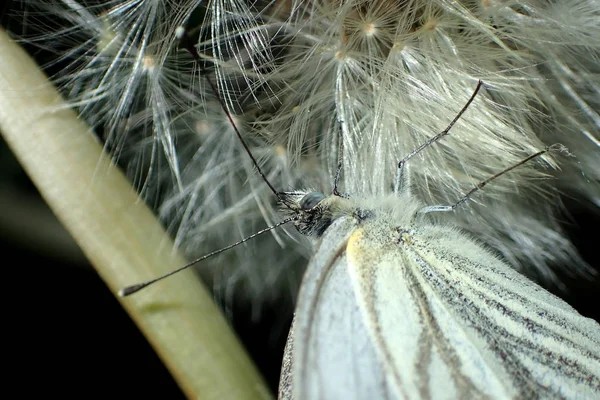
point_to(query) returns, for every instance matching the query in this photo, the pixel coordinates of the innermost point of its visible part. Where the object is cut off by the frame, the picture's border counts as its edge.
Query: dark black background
(69, 334)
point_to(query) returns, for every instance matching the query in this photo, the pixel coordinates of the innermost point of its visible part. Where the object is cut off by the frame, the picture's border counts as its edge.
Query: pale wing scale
(385, 314)
(482, 331)
(344, 366)
(515, 302)
(411, 342)
(390, 309)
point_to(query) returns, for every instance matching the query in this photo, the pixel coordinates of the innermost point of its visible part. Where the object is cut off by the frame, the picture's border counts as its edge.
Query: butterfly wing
(431, 314)
(344, 365)
(450, 320)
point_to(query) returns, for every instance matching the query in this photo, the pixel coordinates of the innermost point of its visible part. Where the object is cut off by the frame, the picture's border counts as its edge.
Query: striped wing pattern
(413, 312)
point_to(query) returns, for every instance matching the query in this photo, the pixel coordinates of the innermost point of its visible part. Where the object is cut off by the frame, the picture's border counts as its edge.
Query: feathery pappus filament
(386, 74)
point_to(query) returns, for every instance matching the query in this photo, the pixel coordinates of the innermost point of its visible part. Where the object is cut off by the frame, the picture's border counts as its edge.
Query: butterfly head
(313, 211)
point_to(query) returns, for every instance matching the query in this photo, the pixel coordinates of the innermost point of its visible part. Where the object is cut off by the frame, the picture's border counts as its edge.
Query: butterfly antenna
(139, 286)
(186, 43)
(444, 132)
(483, 183)
(340, 162)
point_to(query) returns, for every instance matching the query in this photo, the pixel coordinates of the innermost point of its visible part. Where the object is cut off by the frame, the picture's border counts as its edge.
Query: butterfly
(393, 306)
(396, 305)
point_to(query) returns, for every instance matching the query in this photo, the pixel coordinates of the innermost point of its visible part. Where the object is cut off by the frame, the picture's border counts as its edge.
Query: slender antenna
(185, 42)
(338, 171)
(444, 132)
(481, 184)
(137, 287)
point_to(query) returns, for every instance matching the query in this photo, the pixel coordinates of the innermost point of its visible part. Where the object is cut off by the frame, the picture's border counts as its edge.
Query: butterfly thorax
(314, 212)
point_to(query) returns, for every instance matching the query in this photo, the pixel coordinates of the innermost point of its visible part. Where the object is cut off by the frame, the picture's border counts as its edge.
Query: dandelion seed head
(149, 63)
(394, 86)
(382, 76)
(340, 55)
(430, 25)
(369, 28)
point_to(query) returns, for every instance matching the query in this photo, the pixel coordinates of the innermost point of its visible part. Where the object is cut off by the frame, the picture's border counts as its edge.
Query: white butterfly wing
(472, 326)
(418, 315)
(347, 367)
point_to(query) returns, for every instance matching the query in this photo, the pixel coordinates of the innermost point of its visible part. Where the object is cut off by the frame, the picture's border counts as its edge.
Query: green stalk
(119, 235)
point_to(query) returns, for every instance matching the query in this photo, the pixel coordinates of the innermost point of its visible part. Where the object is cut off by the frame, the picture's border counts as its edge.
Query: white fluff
(387, 74)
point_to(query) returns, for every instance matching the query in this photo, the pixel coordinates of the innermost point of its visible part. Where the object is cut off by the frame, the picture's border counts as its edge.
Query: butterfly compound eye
(310, 200)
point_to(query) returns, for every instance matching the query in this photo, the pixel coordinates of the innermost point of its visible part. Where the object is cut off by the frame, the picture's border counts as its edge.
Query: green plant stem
(119, 235)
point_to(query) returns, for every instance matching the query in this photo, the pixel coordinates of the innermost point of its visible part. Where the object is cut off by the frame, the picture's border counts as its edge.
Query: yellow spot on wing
(407, 238)
(354, 248)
